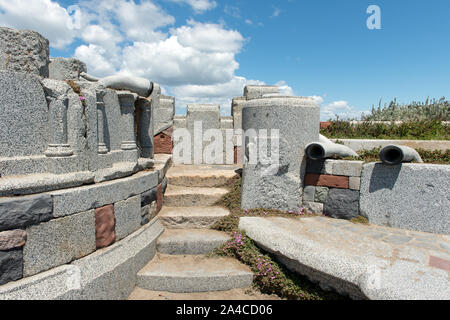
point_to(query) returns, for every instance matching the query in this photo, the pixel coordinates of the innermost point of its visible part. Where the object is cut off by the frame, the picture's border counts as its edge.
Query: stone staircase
(181, 265)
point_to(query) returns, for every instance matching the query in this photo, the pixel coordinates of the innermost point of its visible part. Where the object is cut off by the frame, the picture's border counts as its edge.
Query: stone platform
(362, 261)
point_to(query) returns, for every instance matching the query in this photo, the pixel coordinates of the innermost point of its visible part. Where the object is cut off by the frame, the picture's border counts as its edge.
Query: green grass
(434, 157)
(409, 130)
(270, 276)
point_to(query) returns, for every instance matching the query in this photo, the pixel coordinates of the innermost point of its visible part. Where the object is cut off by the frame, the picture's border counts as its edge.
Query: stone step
(191, 217)
(177, 196)
(235, 294)
(182, 274)
(201, 176)
(190, 241)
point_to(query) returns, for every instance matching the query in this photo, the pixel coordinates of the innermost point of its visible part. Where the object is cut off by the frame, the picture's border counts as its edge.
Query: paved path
(364, 261)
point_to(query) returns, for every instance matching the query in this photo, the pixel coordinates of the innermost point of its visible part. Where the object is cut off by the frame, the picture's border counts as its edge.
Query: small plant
(270, 276)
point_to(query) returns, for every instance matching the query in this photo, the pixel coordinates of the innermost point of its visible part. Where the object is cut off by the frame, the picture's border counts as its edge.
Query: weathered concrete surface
(24, 120)
(24, 51)
(69, 201)
(190, 241)
(66, 68)
(200, 176)
(363, 261)
(192, 197)
(191, 217)
(109, 273)
(128, 216)
(257, 91)
(268, 182)
(59, 241)
(408, 196)
(246, 294)
(194, 274)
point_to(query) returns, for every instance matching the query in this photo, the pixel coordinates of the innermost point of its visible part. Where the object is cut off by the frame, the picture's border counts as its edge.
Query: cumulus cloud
(219, 93)
(340, 109)
(196, 61)
(199, 6)
(47, 17)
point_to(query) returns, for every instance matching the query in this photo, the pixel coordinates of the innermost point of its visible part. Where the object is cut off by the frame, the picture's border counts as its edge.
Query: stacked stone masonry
(53, 232)
(332, 188)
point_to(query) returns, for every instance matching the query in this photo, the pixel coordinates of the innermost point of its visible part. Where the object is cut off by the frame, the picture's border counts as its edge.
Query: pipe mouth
(391, 155)
(315, 151)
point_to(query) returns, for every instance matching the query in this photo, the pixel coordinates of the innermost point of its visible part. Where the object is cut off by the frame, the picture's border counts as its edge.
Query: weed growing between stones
(360, 220)
(270, 276)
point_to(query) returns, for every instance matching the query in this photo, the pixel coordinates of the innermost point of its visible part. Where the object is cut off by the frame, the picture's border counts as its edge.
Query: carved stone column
(101, 115)
(58, 146)
(127, 100)
(146, 128)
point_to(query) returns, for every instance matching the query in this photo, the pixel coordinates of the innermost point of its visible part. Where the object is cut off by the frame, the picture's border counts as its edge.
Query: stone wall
(80, 186)
(43, 231)
(407, 196)
(332, 188)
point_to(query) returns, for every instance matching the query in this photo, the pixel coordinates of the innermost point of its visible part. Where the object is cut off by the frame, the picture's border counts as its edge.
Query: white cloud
(44, 16)
(342, 109)
(209, 37)
(199, 6)
(191, 55)
(285, 90)
(94, 56)
(139, 22)
(219, 93)
(275, 13)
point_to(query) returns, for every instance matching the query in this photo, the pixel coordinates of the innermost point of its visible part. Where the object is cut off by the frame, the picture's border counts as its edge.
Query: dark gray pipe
(393, 154)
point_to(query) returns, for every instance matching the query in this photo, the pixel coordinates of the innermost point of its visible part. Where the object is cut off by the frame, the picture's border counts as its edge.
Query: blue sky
(206, 51)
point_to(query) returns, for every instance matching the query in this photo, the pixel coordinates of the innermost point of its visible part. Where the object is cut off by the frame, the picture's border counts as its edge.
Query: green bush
(410, 130)
(438, 110)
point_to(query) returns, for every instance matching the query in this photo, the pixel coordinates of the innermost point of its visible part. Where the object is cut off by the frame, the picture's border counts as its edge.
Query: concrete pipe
(327, 149)
(393, 154)
(141, 86)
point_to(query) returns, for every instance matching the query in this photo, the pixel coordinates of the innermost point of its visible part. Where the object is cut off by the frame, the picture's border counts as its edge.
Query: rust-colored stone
(159, 199)
(325, 124)
(12, 239)
(235, 155)
(324, 180)
(163, 142)
(105, 224)
(440, 263)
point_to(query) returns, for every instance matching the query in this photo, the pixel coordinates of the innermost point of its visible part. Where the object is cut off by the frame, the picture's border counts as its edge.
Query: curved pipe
(393, 154)
(320, 150)
(325, 148)
(141, 86)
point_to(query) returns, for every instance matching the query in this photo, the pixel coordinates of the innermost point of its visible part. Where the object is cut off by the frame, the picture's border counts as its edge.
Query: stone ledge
(109, 273)
(348, 261)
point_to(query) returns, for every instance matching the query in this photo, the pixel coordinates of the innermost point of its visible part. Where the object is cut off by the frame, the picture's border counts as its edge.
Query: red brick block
(440, 263)
(325, 124)
(159, 199)
(325, 180)
(105, 226)
(163, 142)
